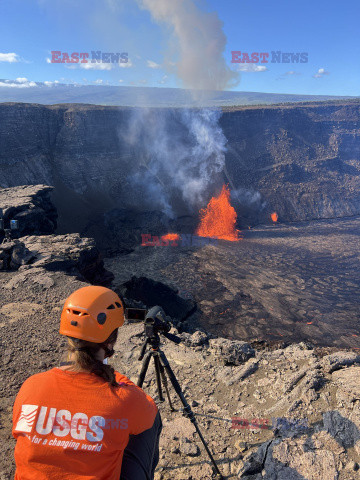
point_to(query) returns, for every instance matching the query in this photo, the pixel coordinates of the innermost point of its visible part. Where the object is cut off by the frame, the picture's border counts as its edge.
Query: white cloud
(143, 81)
(251, 67)
(9, 57)
(127, 64)
(292, 72)
(99, 81)
(120, 81)
(320, 73)
(96, 66)
(51, 84)
(152, 64)
(22, 80)
(163, 79)
(17, 84)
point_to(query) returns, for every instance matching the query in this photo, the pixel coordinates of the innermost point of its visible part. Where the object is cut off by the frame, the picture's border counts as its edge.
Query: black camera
(155, 322)
(154, 319)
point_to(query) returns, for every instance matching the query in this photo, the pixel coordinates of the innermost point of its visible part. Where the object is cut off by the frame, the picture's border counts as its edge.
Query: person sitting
(83, 419)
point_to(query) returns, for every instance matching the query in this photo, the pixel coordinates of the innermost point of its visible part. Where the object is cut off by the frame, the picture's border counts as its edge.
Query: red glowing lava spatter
(171, 236)
(218, 219)
(274, 217)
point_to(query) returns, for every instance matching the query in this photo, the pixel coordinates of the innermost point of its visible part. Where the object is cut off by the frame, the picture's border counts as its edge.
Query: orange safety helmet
(91, 313)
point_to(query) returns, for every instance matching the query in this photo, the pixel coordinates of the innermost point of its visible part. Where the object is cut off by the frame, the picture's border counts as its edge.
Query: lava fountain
(274, 217)
(218, 219)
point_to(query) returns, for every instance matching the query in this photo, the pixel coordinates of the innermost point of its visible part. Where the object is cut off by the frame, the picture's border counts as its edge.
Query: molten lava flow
(274, 217)
(171, 236)
(218, 218)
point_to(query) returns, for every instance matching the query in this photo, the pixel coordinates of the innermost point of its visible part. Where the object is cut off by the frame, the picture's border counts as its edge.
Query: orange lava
(171, 236)
(218, 219)
(274, 217)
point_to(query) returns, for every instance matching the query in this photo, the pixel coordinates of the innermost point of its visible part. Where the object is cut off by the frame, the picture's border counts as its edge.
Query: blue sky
(327, 31)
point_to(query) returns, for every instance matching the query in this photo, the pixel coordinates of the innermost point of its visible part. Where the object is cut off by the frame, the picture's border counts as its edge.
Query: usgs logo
(62, 423)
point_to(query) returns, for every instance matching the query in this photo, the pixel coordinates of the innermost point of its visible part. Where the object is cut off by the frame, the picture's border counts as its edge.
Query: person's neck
(100, 355)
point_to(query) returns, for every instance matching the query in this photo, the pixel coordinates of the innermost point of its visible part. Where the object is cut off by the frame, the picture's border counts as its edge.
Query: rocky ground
(283, 282)
(31, 206)
(277, 409)
(306, 402)
(297, 408)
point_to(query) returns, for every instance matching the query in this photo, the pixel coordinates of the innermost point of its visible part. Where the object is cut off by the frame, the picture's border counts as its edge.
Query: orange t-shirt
(75, 426)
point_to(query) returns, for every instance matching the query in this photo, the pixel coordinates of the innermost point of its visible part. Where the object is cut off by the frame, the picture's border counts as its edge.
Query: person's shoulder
(140, 407)
(35, 383)
(130, 389)
(123, 380)
(38, 378)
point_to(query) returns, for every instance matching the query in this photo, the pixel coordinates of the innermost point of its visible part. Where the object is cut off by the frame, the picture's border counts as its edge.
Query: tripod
(162, 366)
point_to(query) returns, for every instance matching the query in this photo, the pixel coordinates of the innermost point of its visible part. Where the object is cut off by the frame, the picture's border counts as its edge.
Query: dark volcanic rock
(345, 432)
(302, 159)
(197, 339)
(31, 206)
(67, 253)
(124, 228)
(231, 352)
(338, 360)
(153, 293)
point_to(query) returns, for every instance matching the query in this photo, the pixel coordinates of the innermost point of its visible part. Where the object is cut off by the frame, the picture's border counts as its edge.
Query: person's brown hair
(83, 357)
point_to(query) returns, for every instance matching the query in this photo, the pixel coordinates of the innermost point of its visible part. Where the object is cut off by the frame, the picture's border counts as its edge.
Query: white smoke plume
(183, 152)
(179, 153)
(200, 41)
(248, 198)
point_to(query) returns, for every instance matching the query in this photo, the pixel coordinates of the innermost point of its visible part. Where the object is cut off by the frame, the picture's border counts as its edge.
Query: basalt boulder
(31, 206)
(67, 253)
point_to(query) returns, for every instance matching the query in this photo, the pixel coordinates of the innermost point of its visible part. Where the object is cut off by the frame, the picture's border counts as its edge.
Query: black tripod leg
(158, 378)
(165, 382)
(188, 412)
(144, 368)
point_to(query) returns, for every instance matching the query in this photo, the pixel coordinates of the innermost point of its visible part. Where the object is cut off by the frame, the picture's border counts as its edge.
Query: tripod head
(155, 323)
